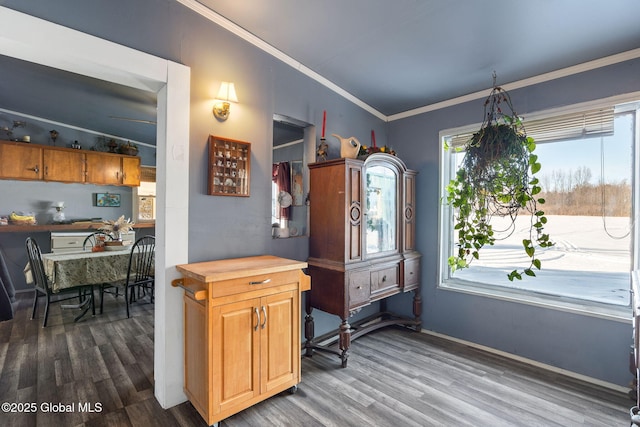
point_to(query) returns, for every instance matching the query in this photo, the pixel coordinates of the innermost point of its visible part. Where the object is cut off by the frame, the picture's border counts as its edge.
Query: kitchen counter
(63, 227)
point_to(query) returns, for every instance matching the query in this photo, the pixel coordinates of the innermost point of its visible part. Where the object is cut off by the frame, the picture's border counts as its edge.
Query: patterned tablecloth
(85, 268)
(68, 270)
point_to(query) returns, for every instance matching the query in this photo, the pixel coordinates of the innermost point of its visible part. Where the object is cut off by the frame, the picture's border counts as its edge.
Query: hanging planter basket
(497, 178)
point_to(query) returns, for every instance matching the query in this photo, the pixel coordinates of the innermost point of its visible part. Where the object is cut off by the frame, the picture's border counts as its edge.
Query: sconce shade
(226, 93)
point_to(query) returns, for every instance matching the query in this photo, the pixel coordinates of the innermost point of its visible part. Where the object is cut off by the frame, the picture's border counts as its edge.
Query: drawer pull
(255, 328)
(261, 282)
(73, 243)
(384, 278)
(264, 311)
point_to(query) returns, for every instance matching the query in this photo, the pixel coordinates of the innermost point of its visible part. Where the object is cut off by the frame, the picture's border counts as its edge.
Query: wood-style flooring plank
(394, 377)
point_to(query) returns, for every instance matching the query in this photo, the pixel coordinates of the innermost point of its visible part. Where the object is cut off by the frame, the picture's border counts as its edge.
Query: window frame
(524, 296)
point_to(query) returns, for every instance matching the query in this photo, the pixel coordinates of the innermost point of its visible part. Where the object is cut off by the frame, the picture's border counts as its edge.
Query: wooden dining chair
(91, 240)
(89, 243)
(43, 288)
(140, 279)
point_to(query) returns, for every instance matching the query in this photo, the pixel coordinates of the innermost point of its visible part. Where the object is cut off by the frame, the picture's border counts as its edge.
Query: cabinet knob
(36, 169)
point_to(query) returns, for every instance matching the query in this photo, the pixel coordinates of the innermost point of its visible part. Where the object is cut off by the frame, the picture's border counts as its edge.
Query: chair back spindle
(37, 266)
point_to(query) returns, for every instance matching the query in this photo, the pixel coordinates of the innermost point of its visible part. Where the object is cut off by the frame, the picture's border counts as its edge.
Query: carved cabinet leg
(417, 308)
(345, 341)
(309, 331)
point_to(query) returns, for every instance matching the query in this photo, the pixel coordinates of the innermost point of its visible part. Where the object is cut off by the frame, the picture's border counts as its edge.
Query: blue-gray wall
(222, 227)
(584, 344)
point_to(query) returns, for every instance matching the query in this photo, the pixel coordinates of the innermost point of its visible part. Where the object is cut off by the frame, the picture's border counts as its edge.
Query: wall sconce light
(226, 93)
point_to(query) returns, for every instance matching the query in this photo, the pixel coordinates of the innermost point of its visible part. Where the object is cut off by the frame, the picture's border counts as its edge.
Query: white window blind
(567, 126)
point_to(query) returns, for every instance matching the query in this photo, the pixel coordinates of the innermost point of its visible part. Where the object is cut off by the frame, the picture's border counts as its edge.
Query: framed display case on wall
(229, 167)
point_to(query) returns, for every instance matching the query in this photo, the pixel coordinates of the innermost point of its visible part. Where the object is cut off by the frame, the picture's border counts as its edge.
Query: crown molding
(278, 54)
(261, 44)
(541, 78)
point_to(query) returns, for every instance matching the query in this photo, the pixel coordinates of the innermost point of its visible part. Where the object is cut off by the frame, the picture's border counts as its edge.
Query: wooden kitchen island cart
(241, 331)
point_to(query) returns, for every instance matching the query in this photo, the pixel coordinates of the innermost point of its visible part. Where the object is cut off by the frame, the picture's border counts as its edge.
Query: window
(588, 183)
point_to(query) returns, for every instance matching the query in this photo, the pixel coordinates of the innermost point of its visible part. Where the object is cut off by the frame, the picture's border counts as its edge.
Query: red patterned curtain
(281, 175)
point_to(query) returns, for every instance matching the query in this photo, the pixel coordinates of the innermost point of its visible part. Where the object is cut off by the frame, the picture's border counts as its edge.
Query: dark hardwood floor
(394, 378)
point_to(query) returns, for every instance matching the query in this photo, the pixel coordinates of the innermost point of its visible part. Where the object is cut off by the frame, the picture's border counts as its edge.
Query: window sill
(568, 305)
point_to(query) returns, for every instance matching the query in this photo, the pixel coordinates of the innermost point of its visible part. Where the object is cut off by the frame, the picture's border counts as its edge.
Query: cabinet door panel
(65, 166)
(196, 354)
(354, 221)
(20, 161)
(103, 169)
(280, 340)
(235, 367)
(131, 171)
(409, 236)
(381, 209)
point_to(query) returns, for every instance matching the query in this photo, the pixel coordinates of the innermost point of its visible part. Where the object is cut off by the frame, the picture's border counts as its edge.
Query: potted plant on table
(497, 178)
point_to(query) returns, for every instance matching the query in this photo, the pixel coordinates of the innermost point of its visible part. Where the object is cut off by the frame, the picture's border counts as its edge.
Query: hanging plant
(497, 178)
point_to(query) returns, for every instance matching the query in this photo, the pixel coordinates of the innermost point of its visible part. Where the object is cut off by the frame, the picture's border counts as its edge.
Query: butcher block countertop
(226, 269)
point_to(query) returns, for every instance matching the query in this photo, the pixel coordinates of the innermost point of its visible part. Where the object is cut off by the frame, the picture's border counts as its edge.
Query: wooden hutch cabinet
(362, 244)
(241, 331)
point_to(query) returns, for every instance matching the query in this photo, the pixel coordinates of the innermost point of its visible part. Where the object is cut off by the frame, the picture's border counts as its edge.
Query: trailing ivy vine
(497, 178)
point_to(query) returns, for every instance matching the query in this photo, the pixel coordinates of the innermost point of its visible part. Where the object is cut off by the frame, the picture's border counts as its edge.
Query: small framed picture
(107, 200)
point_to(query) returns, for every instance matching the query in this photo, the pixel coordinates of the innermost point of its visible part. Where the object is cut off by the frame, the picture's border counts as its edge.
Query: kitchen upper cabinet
(103, 169)
(131, 171)
(64, 166)
(20, 161)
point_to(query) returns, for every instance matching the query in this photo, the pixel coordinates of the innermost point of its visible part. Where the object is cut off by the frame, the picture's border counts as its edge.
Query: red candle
(324, 121)
(373, 138)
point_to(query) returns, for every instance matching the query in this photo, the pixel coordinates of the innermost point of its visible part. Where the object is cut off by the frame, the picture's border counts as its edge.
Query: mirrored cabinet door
(381, 189)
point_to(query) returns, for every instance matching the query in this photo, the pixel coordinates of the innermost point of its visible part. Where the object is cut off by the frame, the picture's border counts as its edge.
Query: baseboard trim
(531, 362)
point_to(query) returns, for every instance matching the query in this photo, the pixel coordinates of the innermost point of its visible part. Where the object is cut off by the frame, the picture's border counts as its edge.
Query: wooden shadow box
(229, 167)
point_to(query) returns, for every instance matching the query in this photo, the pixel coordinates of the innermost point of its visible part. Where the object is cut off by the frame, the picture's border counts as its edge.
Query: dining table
(68, 270)
(82, 269)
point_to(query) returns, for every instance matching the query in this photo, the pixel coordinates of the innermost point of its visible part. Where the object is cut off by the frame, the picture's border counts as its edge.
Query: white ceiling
(390, 57)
